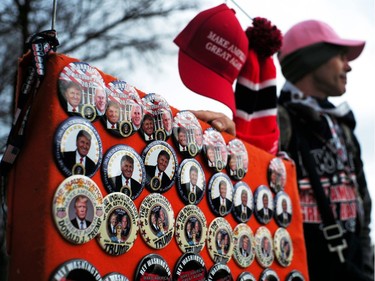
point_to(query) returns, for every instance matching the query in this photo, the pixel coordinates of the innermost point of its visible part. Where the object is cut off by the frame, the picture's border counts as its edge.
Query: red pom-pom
(264, 38)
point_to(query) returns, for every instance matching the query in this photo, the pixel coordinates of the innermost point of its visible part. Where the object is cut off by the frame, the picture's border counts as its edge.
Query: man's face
(148, 126)
(100, 99)
(244, 198)
(124, 222)
(136, 115)
(265, 201)
(223, 190)
(167, 121)
(233, 163)
(113, 114)
(211, 154)
(245, 243)
(162, 163)
(127, 169)
(193, 177)
(83, 145)
(284, 205)
(198, 137)
(113, 220)
(81, 209)
(161, 215)
(182, 138)
(73, 96)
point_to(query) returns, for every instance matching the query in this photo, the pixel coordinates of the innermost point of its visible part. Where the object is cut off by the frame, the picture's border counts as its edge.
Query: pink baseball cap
(310, 32)
(213, 49)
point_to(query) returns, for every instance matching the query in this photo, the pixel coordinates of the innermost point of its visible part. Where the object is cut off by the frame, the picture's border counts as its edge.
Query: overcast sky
(351, 20)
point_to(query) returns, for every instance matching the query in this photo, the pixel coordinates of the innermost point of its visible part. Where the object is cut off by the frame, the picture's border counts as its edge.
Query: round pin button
(295, 275)
(187, 133)
(191, 181)
(220, 240)
(283, 246)
(220, 272)
(123, 171)
(244, 245)
(283, 209)
(264, 247)
(161, 166)
(238, 159)
(153, 267)
(77, 209)
(243, 202)
(191, 229)
(119, 229)
(220, 194)
(276, 174)
(190, 266)
(115, 276)
(215, 149)
(76, 269)
(124, 113)
(246, 276)
(263, 204)
(82, 90)
(269, 275)
(78, 147)
(158, 123)
(156, 219)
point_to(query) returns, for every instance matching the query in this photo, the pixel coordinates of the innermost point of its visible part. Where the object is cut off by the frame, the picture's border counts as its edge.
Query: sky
(350, 19)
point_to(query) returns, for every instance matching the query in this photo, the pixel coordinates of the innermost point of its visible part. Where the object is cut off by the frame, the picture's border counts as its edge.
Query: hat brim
(355, 47)
(205, 81)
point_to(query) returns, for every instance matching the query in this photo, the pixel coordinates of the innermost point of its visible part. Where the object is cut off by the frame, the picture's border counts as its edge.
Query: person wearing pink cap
(334, 198)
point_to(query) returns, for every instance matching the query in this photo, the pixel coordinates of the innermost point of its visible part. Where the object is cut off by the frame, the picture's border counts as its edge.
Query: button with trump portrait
(123, 171)
(263, 204)
(157, 122)
(78, 147)
(215, 150)
(243, 202)
(119, 229)
(156, 219)
(264, 247)
(276, 174)
(161, 166)
(124, 111)
(220, 194)
(238, 159)
(244, 245)
(187, 134)
(77, 209)
(82, 90)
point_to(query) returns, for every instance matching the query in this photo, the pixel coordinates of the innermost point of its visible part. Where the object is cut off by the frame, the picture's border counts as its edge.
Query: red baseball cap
(213, 49)
(310, 32)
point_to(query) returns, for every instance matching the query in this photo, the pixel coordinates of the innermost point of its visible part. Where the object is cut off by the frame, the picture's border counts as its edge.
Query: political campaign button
(269, 275)
(215, 149)
(219, 272)
(76, 269)
(238, 159)
(156, 218)
(220, 240)
(191, 229)
(161, 166)
(124, 112)
(243, 202)
(77, 147)
(190, 266)
(115, 276)
(187, 133)
(263, 204)
(157, 122)
(283, 246)
(220, 194)
(153, 267)
(246, 276)
(276, 174)
(123, 171)
(295, 275)
(78, 209)
(264, 247)
(283, 209)
(191, 181)
(244, 245)
(82, 90)
(120, 226)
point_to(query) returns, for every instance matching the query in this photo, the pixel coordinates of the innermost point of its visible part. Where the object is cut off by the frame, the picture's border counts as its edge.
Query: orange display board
(36, 247)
